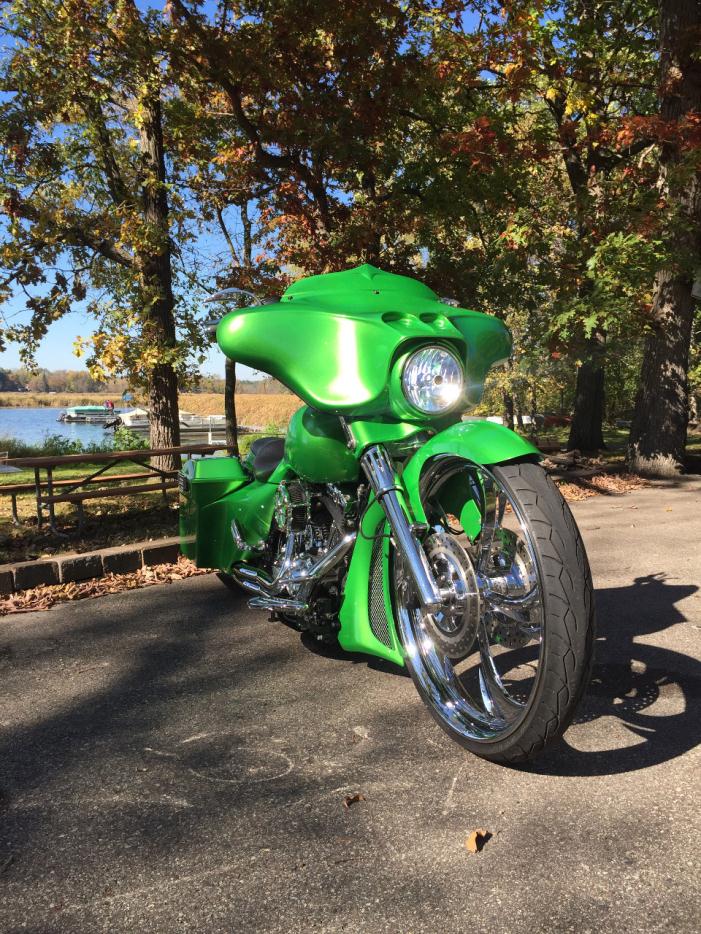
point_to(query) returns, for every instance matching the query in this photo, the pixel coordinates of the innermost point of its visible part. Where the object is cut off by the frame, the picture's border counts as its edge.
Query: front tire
(523, 602)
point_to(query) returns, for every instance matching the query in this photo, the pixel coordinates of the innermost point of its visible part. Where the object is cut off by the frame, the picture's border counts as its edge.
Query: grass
(112, 521)
(614, 438)
(34, 400)
(109, 521)
(255, 409)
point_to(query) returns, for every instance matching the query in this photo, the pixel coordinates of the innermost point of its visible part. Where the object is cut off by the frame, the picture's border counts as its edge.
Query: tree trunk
(164, 421)
(519, 418)
(588, 415)
(157, 283)
(508, 415)
(658, 431)
(534, 403)
(534, 408)
(232, 440)
(588, 412)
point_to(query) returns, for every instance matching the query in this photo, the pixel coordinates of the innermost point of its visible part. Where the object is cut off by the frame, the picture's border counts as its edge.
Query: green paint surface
(339, 342)
(336, 339)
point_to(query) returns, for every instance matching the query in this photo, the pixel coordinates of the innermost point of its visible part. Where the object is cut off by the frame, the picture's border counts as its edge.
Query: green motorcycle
(385, 522)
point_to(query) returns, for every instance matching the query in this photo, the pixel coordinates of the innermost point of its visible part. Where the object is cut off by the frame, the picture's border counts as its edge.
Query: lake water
(33, 425)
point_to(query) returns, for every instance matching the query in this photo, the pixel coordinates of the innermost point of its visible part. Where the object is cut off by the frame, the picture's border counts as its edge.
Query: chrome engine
(313, 532)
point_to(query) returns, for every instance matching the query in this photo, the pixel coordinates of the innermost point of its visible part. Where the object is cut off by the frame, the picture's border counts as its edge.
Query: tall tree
(564, 75)
(310, 113)
(658, 431)
(88, 184)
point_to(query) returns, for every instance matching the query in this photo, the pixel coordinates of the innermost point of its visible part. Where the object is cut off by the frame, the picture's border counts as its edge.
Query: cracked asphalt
(170, 761)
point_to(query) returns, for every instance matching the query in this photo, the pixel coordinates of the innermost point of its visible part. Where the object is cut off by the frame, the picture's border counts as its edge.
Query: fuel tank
(334, 339)
(317, 450)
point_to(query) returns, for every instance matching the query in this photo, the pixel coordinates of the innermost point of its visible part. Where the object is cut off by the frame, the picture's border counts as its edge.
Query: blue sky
(56, 351)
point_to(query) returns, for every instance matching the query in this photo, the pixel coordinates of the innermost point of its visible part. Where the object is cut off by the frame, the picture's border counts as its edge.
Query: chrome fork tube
(381, 478)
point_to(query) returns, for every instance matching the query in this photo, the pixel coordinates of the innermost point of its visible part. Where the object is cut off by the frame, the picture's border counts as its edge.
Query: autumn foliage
(514, 155)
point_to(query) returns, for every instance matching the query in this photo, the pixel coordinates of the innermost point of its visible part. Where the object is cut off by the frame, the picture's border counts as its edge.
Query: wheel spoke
(518, 609)
(490, 681)
(494, 515)
(473, 690)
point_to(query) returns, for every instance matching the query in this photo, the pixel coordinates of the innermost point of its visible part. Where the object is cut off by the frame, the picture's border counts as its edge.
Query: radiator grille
(376, 599)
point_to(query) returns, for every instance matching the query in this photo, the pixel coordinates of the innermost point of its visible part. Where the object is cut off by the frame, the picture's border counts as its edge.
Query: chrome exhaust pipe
(333, 557)
(278, 604)
(250, 579)
(325, 564)
(268, 596)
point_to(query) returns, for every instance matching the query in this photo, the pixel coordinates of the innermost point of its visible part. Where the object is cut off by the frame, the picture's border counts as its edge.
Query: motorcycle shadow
(334, 651)
(650, 696)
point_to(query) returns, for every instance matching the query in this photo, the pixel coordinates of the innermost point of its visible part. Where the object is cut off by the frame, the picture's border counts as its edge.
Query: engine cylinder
(292, 507)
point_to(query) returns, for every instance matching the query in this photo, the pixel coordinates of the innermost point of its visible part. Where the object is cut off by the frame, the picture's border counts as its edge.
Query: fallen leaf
(600, 483)
(353, 799)
(476, 840)
(45, 596)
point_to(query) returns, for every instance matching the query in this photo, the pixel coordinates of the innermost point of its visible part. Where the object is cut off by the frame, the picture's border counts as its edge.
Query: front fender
(366, 614)
(484, 443)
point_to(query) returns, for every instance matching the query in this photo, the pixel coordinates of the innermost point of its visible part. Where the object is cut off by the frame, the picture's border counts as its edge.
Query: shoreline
(252, 408)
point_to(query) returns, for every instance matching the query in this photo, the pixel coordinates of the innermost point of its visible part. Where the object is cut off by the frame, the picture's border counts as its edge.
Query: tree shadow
(185, 665)
(628, 681)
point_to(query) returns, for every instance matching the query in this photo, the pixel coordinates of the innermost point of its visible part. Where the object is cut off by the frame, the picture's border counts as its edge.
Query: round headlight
(433, 380)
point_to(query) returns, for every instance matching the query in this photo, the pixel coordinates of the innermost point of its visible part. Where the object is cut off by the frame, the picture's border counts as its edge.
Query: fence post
(37, 484)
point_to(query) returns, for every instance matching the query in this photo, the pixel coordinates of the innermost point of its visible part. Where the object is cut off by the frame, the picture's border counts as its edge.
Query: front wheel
(504, 663)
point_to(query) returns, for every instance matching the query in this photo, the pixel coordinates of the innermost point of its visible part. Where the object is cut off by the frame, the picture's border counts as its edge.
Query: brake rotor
(453, 628)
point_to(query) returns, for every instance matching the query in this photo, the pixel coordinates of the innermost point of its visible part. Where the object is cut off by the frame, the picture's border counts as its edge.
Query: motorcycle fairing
(334, 339)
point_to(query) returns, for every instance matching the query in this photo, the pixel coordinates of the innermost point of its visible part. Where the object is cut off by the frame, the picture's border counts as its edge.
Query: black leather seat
(267, 454)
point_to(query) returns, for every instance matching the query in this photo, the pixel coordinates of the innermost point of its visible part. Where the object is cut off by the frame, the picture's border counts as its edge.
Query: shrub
(127, 440)
(51, 446)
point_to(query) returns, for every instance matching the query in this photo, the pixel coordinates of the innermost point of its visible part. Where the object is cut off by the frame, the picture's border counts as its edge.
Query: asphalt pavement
(170, 761)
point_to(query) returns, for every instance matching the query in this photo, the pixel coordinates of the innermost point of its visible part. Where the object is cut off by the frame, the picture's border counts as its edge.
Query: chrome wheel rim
(486, 692)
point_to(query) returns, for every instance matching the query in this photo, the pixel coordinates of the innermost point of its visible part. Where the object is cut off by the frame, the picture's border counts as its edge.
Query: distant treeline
(22, 380)
(216, 384)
